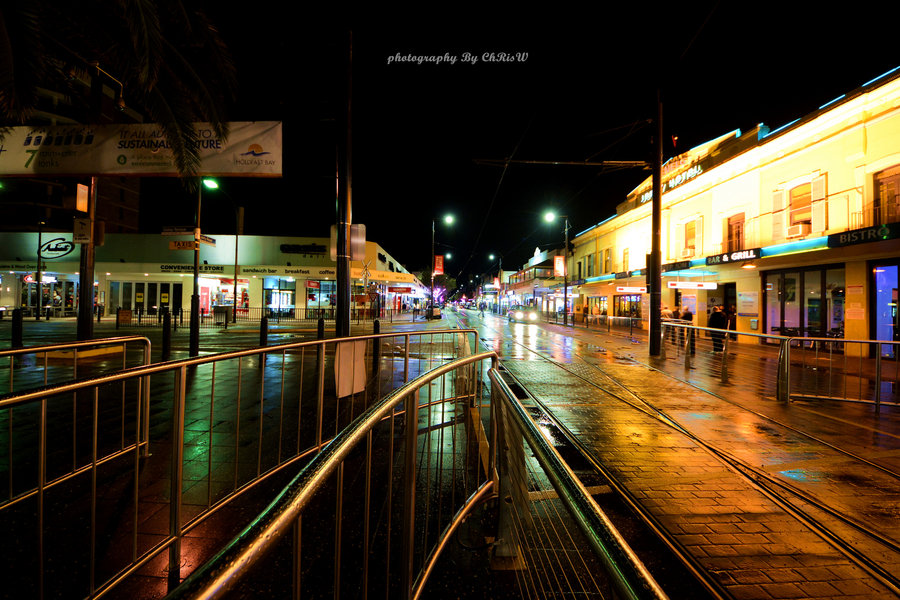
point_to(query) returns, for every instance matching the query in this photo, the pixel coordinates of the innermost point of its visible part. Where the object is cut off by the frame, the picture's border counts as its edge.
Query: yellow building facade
(796, 230)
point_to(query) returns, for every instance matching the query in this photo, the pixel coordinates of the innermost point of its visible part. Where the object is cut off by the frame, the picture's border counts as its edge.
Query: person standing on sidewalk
(718, 320)
(688, 317)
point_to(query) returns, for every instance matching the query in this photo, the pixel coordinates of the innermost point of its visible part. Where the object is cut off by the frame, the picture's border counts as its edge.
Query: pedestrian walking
(731, 313)
(718, 320)
(666, 315)
(688, 317)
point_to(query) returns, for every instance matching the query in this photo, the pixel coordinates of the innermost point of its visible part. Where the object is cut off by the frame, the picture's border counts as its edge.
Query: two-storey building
(794, 229)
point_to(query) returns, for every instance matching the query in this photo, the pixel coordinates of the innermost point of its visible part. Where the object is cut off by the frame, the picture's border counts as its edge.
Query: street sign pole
(194, 337)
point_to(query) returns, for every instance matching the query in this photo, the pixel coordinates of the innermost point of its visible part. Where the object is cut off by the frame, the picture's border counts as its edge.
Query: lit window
(801, 205)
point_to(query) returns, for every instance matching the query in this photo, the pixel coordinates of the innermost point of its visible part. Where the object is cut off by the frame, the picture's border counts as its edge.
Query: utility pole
(654, 265)
(85, 325)
(344, 204)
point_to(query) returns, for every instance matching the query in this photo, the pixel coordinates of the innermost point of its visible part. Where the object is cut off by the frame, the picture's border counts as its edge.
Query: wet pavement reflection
(766, 496)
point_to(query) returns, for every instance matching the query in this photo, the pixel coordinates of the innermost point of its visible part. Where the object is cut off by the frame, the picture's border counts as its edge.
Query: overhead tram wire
(487, 215)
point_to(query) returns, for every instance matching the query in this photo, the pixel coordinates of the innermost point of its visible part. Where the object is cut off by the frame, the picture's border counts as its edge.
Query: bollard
(167, 336)
(724, 373)
(98, 316)
(320, 329)
(117, 317)
(264, 331)
(16, 332)
(376, 346)
(47, 314)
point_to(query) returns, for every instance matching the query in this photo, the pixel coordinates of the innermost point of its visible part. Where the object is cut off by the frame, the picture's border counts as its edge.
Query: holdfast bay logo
(253, 156)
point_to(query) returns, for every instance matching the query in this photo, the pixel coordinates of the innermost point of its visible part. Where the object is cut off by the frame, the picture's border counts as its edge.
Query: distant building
(147, 273)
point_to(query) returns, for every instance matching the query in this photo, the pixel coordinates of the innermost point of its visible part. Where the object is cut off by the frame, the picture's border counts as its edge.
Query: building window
(887, 196)
(625, 259)
(607, 260)
(801, 205)
(590, 265)
(734, 233)
(690, 236)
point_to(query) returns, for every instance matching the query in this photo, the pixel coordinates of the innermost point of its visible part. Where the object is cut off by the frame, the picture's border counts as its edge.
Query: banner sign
(400, 290)
(559, 266)
(632, 289)
(438, 265)
(252, 149)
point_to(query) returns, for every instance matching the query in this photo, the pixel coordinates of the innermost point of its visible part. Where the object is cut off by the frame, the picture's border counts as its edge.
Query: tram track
(871, 550)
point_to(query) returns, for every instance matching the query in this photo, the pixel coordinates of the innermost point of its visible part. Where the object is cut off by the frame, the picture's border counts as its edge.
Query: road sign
(205, 239)
(81, 233)
(183, 245)
(178, 231)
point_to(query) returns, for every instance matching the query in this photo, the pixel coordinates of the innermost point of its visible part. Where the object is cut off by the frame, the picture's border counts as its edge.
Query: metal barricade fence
(223, 316)
(384, 534)
(783, 367)
(551, 532)
(34, 366)
(87, 511)
(830, 368)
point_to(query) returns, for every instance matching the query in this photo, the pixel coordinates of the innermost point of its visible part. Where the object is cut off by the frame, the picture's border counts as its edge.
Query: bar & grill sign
(736, 256)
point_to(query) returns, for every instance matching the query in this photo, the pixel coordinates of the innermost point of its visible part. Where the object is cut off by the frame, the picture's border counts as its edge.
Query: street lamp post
(194, 341)
(499, 257)
(550, 217)
(448, 220)
(238, 230)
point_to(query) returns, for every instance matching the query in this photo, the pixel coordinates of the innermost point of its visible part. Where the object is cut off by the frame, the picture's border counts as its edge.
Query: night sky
(578, 86)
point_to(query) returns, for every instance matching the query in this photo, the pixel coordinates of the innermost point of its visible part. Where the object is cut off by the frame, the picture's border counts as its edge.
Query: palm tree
(170, 60)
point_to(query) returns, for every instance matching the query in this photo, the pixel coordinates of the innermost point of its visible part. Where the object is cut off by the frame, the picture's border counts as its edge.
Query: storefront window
(321, 294)
(807, 303)
(628, 305)
(279, 295)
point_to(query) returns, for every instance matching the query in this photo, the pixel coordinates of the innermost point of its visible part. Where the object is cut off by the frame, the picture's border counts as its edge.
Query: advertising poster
(748, 304)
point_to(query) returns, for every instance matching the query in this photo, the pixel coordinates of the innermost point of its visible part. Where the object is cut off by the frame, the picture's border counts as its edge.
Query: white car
(522, 314)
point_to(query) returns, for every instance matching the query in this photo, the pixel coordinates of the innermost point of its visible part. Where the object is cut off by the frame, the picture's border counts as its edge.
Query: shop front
(885, 281)
(804, 302)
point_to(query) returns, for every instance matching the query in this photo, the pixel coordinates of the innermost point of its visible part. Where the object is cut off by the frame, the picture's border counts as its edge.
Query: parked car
(522, 314)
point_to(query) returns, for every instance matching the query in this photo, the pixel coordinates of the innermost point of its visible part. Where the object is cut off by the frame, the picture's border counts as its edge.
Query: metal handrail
(215, 578)
(628, 575)
(45, 395)
(8, 400)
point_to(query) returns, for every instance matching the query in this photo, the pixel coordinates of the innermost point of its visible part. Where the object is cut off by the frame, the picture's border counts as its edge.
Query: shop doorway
(885, 325)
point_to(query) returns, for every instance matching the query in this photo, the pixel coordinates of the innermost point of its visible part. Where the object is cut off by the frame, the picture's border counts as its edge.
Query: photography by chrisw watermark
(469, 58)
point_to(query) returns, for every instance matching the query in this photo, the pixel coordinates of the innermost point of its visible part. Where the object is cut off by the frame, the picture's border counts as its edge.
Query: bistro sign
(737, 256)
(864, 235)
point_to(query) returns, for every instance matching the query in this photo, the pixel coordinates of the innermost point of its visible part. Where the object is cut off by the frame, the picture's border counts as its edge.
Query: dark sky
(582, 87)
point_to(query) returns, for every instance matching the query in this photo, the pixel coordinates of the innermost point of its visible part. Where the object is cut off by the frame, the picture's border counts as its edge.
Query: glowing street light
(448, 220)
(550, 217)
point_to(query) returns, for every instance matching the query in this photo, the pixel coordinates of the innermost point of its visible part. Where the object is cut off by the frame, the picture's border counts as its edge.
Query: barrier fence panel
(785, 368)
(366, 523)
(86, 509)
(844, 369)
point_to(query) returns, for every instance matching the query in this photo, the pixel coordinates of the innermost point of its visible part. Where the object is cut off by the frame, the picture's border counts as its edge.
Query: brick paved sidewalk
(745, 540)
